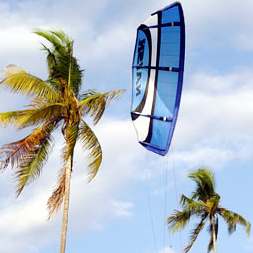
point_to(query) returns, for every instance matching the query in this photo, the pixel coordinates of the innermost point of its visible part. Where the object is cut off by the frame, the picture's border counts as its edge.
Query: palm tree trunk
(66, 206)
(214, 234)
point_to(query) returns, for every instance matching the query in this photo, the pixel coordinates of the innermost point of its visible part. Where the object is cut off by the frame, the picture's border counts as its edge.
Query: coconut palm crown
(55, 103)
(205, 205)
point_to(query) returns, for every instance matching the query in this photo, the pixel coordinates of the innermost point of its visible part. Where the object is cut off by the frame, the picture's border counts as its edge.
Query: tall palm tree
(205, 205)
(56, 103)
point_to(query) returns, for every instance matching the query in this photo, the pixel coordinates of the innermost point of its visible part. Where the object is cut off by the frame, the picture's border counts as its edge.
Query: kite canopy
(157, 72)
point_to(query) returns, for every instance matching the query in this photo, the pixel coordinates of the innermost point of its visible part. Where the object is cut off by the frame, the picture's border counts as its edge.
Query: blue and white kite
(158, 67)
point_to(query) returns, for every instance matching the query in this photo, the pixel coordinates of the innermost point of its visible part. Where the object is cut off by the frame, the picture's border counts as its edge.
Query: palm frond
(94, 103)
(212, 204)
(32, 163)
(179, 219)
(45, 113)
(14, 117)
(28, 155)
(195, 232)
(56, 199)
(71, 133)
(51, 63)
(62, 65)
(91, 143)
(33, 116)
(27, 84)
(63, 37)
(196, 207)
(233, 219)
(12, 153)
(204, 179)
(59, 45)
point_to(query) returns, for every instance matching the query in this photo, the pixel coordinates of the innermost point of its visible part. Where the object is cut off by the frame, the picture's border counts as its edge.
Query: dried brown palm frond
(56, 199)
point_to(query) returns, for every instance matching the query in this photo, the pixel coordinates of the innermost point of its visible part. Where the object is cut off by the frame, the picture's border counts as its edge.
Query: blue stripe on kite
(170, 46)
(166, 93)
(171, 15)
(161, 133)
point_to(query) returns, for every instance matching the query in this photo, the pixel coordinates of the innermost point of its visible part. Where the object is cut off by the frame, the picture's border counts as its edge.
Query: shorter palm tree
(204, 204)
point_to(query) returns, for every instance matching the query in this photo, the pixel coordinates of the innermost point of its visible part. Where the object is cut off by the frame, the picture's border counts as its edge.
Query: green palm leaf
(94, 103)
(204, 179)
(91, 143)
(71, 135)
(196, 207)
(14, 117)
(61, 43)
(61, 63)
(45, 113)
(32, 163)
(234, 219)
(32, 117)
(27, 84)
(179, 219)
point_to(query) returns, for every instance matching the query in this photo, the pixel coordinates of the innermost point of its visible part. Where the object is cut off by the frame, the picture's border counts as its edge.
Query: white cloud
(209, 23)
(21, 34)
(205, 156)
(214, 121)
(167, 250)
(24, 216)
(22, 221)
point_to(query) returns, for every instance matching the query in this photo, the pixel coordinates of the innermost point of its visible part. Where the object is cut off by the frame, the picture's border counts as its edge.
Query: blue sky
(115, 213)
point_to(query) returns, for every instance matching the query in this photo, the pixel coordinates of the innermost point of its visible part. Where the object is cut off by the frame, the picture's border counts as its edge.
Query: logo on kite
(141, 47)
(157, 74)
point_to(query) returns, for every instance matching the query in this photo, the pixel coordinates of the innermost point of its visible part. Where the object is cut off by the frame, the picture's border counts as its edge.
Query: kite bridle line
(175, 185)
(168, 163)
(165, 214)
(150, 213)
